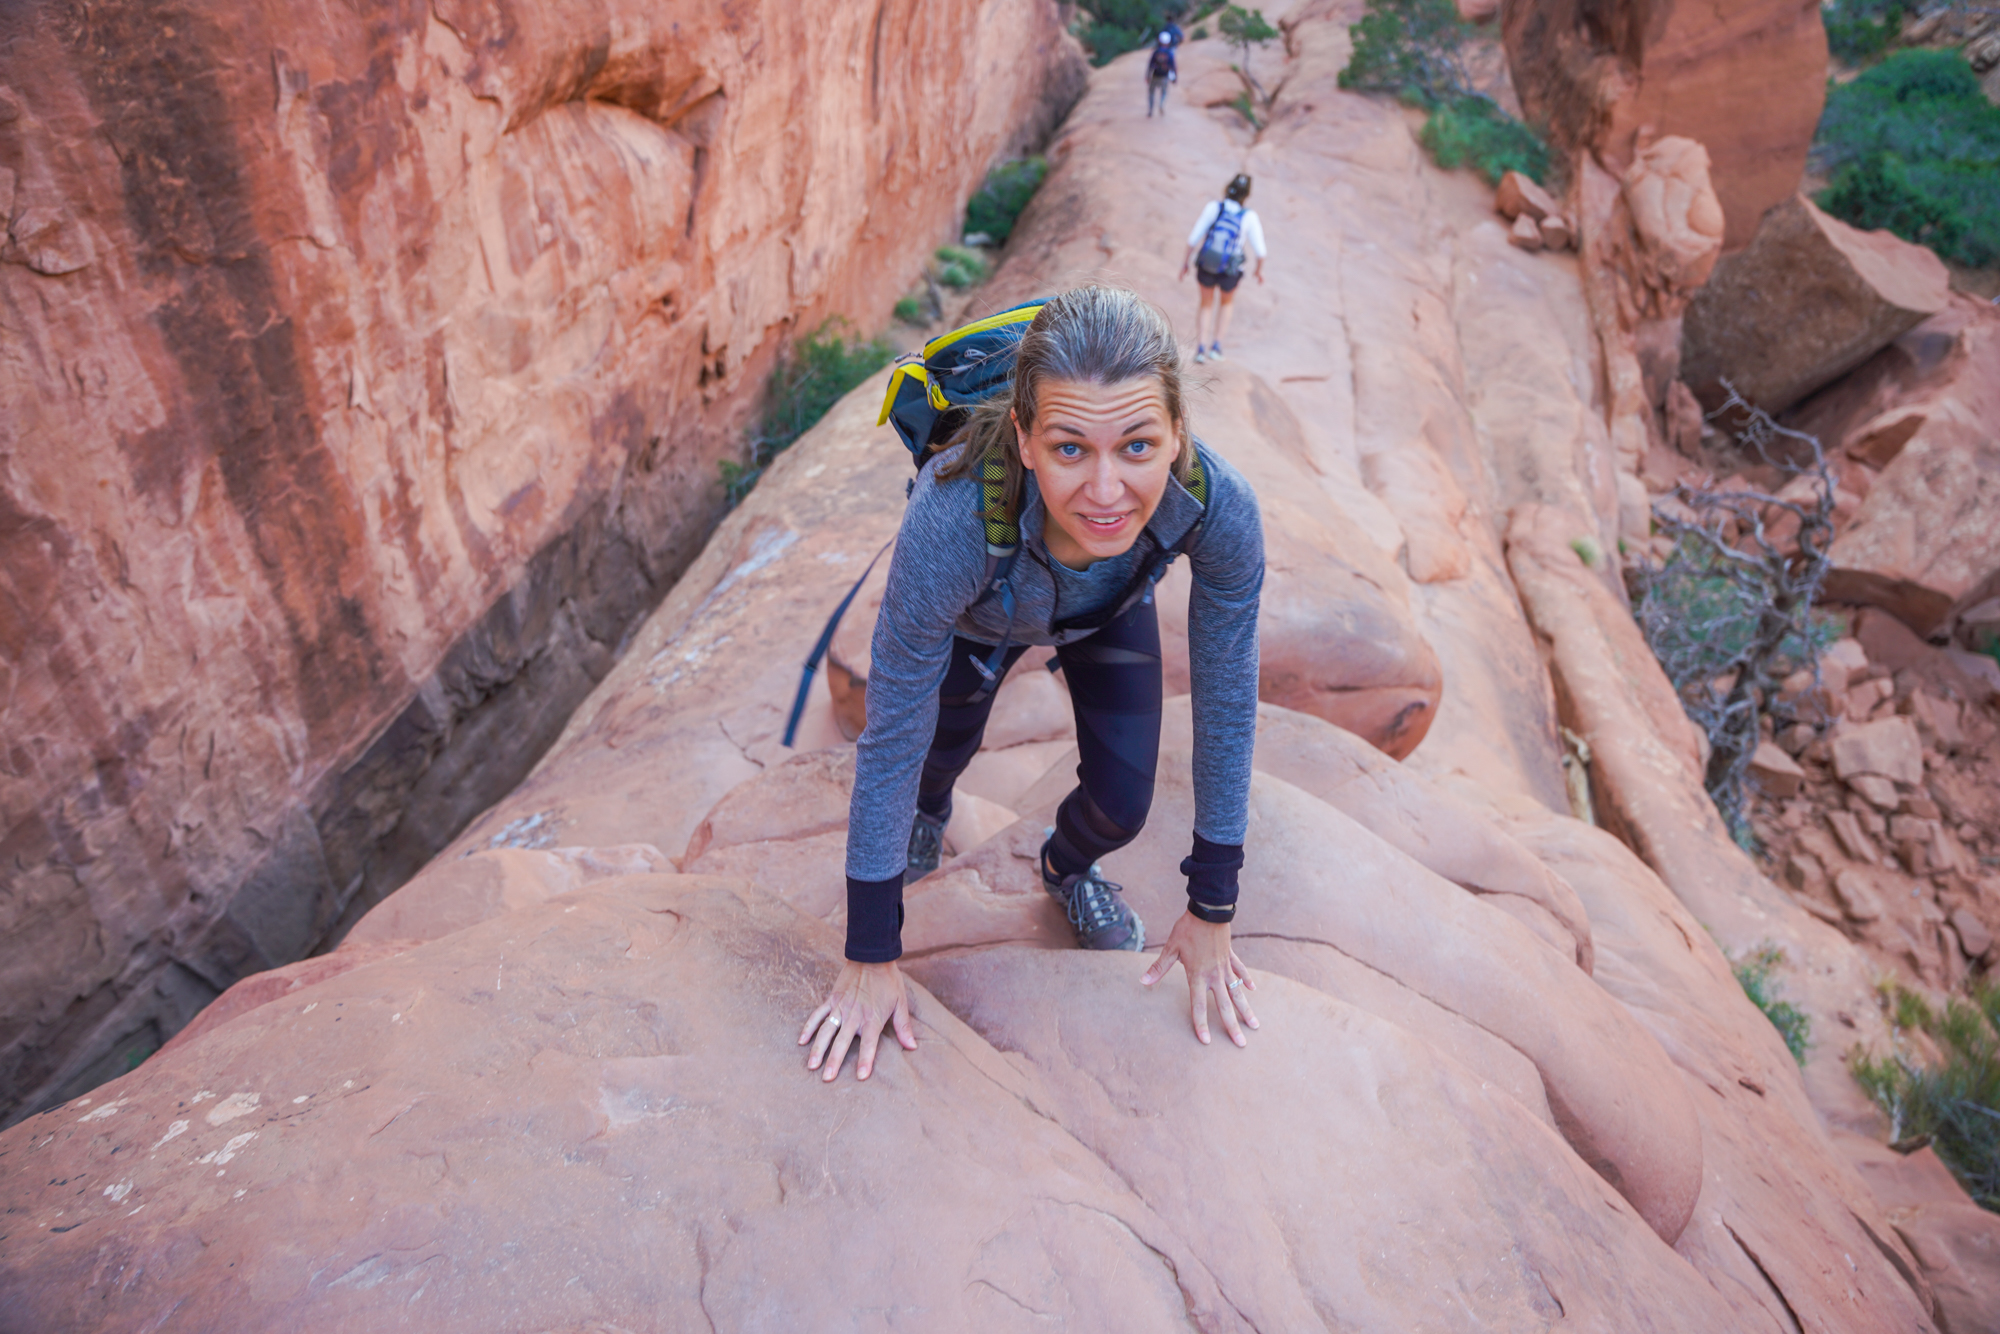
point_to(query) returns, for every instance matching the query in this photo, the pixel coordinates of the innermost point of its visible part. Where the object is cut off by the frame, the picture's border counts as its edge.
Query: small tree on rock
(1244, 28)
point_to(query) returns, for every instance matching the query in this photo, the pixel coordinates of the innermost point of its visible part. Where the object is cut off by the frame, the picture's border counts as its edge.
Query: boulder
(1525, 234)
(1557, 234)
(1809, 299)
(1777, 773)
(1519, 194)
(1888, 747)
(1746, 82)
(1675, 215)
(1929, 530)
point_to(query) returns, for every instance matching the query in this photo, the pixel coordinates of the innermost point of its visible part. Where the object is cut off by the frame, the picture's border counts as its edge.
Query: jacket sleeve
(1228, 569)
(1204, 222)
(934, 575)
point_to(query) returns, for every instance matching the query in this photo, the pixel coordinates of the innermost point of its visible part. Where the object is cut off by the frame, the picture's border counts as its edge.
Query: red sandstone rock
(1776, 772)
(1889, 748)
(1675, 215)
(1747, 83)
(1519, 194)
(1557, 234)
(1525, 234)
(1808, 300)
(381, 367)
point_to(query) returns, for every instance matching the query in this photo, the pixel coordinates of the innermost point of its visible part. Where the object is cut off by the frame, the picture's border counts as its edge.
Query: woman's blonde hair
(1090, 335)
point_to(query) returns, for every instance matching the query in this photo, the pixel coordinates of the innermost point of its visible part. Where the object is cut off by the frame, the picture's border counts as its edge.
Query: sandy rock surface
(364, 386)
(1504, 1077)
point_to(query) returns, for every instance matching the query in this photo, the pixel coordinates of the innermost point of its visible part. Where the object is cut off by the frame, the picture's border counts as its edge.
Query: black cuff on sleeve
(1211, 874)
(875, 920)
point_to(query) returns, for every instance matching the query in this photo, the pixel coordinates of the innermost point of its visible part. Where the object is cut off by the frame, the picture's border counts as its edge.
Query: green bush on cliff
(1410, 48)
(1956, 1104)
(1110, 28)
(822, 367)
(1473, 132)
(1860, 30)
(997, 205)
(1913, 146)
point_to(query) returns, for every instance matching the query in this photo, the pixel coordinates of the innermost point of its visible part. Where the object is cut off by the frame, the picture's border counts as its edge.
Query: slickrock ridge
(365, 383)
(1504, 1079)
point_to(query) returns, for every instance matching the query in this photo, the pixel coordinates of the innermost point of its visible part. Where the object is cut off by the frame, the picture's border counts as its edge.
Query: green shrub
(1794, 1025)
(910, 311)
(1244, 28)
(1118, 26)
(1410, 48)
(1956, 1104)
(996, 206)
(959, 268)
(821, 369)
(1472, 131)
(1914, 146)
(1860, 30)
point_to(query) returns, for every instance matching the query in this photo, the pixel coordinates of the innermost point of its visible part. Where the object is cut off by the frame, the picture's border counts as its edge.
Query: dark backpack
(929, 400)
(1222, 248)
(1162, 63)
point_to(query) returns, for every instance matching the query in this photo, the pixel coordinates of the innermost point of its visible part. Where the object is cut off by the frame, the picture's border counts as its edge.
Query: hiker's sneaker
(1200, 354)
(1096, 913)
(1215, 352)
(926, 846)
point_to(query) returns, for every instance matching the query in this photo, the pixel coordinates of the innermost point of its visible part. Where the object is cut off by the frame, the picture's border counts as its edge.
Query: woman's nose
(1105, 485)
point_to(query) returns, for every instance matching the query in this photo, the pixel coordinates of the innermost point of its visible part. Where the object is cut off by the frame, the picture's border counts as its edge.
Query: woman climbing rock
(1225, 229)
(1087, 449)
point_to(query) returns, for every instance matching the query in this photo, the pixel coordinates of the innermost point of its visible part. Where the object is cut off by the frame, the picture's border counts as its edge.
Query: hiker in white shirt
(1216, 247)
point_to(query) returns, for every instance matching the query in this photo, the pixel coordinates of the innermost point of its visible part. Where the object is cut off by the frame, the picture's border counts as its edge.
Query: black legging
(1114, 686)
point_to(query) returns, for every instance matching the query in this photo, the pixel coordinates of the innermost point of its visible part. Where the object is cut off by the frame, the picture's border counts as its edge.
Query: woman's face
(1101, 455)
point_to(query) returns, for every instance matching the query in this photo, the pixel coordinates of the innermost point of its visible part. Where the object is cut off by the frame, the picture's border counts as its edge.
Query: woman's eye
(1070, 450)
(1139, 448)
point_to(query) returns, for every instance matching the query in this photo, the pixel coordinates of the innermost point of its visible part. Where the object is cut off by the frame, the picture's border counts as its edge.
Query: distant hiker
(1216, 246)
(1160, 71)
(1171, 34)
(1082, 461)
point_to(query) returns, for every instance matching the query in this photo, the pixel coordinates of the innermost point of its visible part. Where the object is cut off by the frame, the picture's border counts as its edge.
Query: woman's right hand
(864, 997)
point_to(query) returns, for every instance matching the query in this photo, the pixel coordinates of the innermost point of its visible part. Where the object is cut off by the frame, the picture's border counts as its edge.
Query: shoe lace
(1093, 903)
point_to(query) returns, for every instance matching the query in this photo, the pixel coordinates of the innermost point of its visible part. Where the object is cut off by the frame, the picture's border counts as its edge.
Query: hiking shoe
(1200, 354)
(926, 846)
(1215, 352)
(1096, 913)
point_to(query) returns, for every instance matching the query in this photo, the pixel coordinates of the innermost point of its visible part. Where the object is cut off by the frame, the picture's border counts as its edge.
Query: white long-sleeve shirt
(1251, 234)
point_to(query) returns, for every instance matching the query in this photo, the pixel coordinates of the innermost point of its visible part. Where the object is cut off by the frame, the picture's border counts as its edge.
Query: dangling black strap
(825, 642)
(1000, 583)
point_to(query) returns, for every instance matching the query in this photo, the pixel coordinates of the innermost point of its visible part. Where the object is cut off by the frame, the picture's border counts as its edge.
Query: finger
(1236, 963)
(1198, 1005)
(905, 1034)
(1159, 969)
(1243, 1008)
(822, 1012)
(838, 1055)
(829, 1029)
(1225, 1006)
(864, 1061)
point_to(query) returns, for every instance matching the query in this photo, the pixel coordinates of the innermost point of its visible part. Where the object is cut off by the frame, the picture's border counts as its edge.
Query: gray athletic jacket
(933, 593)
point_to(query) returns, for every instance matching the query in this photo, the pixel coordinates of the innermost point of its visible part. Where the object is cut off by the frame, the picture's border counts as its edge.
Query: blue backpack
(1222, 247)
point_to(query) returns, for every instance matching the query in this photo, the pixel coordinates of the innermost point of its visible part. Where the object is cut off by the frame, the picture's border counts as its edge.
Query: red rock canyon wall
(364, 379)
(1745, 81)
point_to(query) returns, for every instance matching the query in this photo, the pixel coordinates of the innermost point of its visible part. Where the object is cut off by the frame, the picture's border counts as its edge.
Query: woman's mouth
(1105, 523)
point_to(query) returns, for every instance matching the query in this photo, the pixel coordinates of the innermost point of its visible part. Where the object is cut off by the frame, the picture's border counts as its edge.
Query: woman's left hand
(1202, 949)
